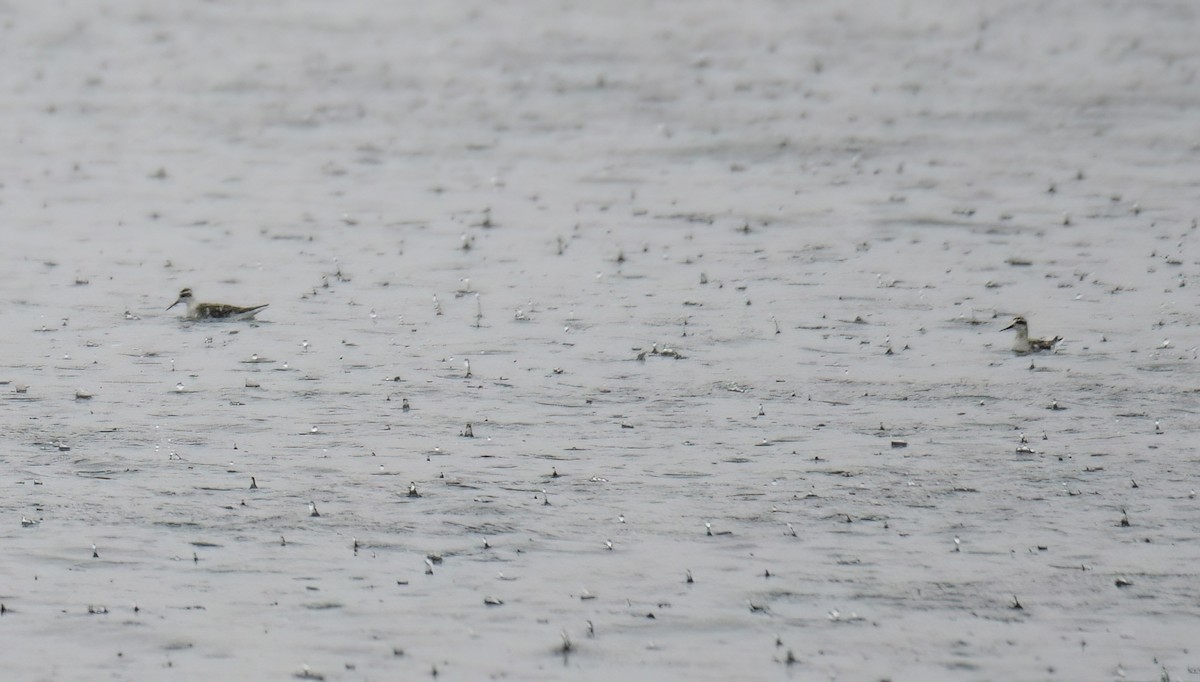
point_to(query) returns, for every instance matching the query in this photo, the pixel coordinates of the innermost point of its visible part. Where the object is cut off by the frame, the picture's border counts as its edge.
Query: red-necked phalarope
(214, 311)
(1024, 344)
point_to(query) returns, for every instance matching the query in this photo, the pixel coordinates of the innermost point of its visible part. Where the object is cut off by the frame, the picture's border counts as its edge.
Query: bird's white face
(1019, 324)
(185, 297)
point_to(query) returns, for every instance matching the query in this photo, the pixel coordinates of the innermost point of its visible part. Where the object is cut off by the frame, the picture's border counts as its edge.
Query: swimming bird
(214, 311)
(1025, 344)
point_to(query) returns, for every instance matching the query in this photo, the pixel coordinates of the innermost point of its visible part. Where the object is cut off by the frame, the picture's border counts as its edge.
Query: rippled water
(718, 290)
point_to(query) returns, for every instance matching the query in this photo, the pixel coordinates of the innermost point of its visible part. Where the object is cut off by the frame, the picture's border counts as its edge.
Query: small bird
(1023, 344)
(214, 311)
